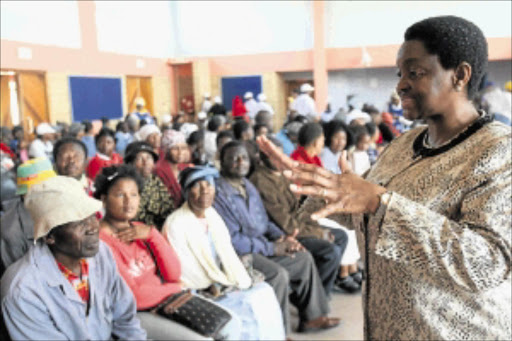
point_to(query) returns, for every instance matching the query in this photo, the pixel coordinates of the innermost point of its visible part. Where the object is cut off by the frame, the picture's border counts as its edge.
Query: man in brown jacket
(326, 245)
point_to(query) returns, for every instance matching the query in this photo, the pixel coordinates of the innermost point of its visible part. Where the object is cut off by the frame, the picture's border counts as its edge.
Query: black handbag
(195, 312)
(192, 311)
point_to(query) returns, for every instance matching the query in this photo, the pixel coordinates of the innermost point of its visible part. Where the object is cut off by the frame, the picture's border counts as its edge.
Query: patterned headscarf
(172, 138)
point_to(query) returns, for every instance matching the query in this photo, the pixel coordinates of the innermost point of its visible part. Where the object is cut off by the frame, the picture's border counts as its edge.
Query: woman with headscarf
(433, 215)
(176, 157)
(209, 262)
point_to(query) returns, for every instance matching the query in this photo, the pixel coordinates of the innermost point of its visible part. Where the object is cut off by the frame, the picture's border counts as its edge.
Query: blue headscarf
(189, 176)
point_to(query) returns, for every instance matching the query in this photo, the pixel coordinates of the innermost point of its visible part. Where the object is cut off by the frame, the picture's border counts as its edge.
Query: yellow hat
(508, 86)
(33, 172)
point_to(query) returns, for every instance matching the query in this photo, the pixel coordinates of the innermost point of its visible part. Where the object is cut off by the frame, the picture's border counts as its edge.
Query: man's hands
(288, 245)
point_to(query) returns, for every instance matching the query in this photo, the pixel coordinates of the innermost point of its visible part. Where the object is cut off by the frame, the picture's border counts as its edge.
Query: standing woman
(105, 155)
(433, 215)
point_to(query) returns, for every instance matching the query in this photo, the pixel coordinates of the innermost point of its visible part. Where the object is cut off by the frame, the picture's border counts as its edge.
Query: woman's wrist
(376, 199)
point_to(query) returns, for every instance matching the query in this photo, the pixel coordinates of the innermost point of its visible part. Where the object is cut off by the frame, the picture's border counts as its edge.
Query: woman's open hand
(135, 231)
(343, 193)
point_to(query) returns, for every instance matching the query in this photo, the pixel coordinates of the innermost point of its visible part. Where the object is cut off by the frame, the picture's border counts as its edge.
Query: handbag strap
(158, 273)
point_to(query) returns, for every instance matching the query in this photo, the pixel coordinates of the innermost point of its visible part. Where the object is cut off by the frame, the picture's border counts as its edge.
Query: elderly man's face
(71, 161)
(76, 240)
(236, 162)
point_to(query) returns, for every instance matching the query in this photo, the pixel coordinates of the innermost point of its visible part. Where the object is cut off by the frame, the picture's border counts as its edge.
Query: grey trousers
(295, 278)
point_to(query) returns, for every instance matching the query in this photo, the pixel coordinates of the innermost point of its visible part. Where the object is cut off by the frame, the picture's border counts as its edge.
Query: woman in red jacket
(311, 143)
(105, 156)
(144, 258)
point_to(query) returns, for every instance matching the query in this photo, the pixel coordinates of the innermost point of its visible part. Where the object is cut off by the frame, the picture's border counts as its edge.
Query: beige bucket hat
(56, 201)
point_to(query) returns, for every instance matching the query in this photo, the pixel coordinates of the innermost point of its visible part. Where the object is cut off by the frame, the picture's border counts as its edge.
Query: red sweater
(97, 163)
(138, 268)
(302, 156)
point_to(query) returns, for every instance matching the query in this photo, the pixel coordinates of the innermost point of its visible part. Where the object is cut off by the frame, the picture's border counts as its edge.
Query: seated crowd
(106, 233)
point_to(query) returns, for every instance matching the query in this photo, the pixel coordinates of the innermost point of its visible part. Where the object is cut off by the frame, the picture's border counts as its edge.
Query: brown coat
(282, 205)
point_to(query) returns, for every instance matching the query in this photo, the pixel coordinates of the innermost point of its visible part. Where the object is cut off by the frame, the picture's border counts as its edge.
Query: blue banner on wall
(233, 86)
(95, 97)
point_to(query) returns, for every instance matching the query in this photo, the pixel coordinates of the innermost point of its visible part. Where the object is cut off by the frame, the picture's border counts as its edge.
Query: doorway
(139, 87)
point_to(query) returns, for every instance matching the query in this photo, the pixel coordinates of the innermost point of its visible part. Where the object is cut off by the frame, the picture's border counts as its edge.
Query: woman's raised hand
(343, 193)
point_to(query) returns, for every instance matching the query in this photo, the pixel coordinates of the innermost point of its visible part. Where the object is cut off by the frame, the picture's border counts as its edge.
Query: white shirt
(206, 106)
(252, 108)
(304, 105)
(360, 162)
(38, 148)
(330, 160)
(267, 107)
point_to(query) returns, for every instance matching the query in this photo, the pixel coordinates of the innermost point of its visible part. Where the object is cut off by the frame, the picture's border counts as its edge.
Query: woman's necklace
(422, 147)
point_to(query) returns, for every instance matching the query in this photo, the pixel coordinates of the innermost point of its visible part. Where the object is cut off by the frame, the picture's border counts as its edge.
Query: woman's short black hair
(308, 133)
(335, 126)
(358, 132)
(66, 140)
(371, 127)
(214, 123)
(229, 145)
(259, 126)
(195, 137)
(105, 132)
(454, 40)
(87, 125)
(239, 127)
(224, 134)
(110, 175)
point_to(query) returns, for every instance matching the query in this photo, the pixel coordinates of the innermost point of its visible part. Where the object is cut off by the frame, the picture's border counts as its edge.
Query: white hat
(188, 128)
(147, 130)
(262, 97)
(166, 119)
(57, 201)
(248, 95)
(206, 95)
(44, 128)
(140, 101)
(201, 115)
(217, 100)
(306, 87)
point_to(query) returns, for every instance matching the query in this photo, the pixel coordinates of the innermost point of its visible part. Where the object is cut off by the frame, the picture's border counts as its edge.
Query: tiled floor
(346, 306)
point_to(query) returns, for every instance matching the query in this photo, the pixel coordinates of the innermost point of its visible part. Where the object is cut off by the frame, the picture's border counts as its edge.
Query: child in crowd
(359, 157)
(105, 155)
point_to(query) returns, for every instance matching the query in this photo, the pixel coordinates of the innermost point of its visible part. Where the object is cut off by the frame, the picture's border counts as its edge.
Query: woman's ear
(103, 198)
(462, 75)
(49, 239)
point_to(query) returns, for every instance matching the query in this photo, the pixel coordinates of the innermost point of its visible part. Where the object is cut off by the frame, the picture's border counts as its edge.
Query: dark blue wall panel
(233, 86)
(95, 97)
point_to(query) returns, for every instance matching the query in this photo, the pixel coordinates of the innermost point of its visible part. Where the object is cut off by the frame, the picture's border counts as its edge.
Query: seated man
(327, 246)
(16, 225)
(239, 204)
(67, 285)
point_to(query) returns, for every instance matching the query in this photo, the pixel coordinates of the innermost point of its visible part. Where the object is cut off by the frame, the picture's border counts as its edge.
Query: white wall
(374, 86)
(53, 23)
(142, 28)
(364, 23)
(214, 28)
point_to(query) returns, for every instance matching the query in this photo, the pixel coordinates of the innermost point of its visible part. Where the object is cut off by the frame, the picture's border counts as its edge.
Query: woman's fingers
(336, 207)
(316, 191)
(279, 159)
(306, 175)
(343, 163)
